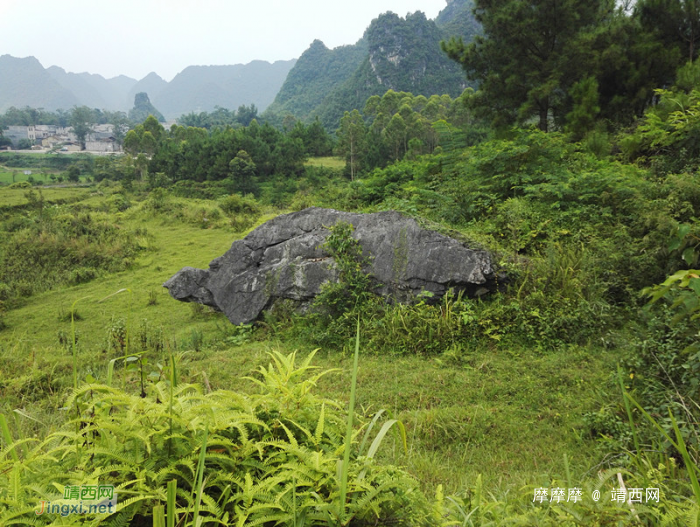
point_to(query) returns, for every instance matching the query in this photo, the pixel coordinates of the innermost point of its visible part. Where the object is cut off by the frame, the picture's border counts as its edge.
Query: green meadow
(507, 418)
(510, 415)
(532, 405)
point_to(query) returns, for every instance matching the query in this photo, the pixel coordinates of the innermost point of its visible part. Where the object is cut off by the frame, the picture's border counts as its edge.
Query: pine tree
(523, 61)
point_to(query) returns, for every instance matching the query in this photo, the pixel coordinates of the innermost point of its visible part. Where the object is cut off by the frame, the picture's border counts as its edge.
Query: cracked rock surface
(284, 259)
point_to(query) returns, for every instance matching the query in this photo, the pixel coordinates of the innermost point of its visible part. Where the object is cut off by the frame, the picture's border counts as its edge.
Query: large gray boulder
(284, 259)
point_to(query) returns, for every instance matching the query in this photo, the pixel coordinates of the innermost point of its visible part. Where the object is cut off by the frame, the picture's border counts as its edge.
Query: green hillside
(317, 72)
(457, 20)
(402, 54)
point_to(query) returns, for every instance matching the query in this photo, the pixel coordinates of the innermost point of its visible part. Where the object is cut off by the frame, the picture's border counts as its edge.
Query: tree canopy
(541, 60)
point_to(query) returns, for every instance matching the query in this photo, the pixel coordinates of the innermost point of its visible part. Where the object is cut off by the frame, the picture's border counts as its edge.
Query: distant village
(47, 137)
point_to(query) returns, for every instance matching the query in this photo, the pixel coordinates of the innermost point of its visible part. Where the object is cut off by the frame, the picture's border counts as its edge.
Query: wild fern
(234, 459)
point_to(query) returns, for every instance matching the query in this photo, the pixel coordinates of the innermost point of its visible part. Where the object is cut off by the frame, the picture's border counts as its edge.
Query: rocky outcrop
(285, 259)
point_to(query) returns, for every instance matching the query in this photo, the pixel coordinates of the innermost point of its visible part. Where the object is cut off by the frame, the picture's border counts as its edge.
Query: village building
(100, 139)
(16, 134)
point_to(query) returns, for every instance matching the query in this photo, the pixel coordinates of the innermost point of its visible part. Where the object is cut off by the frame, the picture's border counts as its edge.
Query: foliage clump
(236, 459)
(55, 246)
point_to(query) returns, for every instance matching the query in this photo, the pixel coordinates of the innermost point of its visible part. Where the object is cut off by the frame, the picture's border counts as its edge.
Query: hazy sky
(135, 37)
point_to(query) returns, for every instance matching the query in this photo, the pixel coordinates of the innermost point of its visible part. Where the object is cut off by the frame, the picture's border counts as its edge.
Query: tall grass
(235, 458)
(349, 429)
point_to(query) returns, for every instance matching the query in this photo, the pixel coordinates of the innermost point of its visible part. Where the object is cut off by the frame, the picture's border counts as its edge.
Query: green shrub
(118, 203)
(199, 190)
(64, 246)
(248, 459)
(235, 205)
(81, 275)
(598, 142)
(663, 366)
(73, 174)
(336, 308)
(158, 200)
(421, 328)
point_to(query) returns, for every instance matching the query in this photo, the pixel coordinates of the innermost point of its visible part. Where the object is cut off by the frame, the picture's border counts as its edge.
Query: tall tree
(152, 125)
(675, 22)
(396, 135)
(242, 173)
(132, 143)
(246, 114)
(316, 140)
(523, 60)
(120, 125)
(351, 139)
(82, 118)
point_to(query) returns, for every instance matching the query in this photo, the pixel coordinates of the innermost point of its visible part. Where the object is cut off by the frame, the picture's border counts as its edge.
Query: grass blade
(369, 430)
(7, 436)
(629, 410)
(199, 488)
(689, 465)
(159, 516)
(348, 433)
(380, 436)
(110, 372)
(171, 495)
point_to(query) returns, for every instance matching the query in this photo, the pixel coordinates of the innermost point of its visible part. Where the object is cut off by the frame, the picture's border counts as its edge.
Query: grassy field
(16, 197)
(510, 415)
(329, 162)
(9, 175)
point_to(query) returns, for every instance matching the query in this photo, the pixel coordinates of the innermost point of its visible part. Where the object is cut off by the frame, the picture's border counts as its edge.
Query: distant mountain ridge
(94, 90)
(25, 82)
(396, 53)
(202, 88)
(402, 54)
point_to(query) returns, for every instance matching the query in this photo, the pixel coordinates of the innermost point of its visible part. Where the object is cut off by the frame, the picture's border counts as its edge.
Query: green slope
(396, 53)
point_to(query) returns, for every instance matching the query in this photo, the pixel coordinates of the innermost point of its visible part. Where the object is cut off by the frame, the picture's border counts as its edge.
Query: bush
(64, 247)
(333, 315)
(271, 457)
(118, 202)
(235, 204)
(199, 190)
(73, 174)
(158, 200)
(82, 275)
(242, 211)
(663, 370)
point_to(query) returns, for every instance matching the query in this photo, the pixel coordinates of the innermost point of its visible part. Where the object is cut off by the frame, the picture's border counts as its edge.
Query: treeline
(32, 116)
(239, 159)
(397, 125)
(220, 117)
